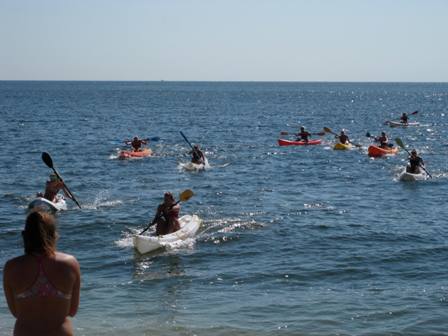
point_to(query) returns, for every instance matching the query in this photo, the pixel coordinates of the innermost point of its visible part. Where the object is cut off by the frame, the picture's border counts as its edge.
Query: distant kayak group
(198, 159)
(170, 227)
(415, 169)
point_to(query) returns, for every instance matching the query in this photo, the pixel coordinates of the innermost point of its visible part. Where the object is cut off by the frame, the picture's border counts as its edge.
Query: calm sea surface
(295, 240)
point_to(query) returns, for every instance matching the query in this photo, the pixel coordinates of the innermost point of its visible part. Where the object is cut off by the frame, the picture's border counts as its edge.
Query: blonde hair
(40, 233)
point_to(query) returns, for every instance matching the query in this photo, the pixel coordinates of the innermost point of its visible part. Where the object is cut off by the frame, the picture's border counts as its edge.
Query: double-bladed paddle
(401, 144)
(375, 138)
(150, 139)
(49, 162)
(186, 140)
(183, 197)
(328, 130)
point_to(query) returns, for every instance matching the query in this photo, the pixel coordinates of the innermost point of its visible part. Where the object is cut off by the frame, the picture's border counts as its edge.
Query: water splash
(102, 201)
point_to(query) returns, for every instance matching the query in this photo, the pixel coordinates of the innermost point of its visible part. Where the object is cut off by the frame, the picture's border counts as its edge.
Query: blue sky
(226, 40)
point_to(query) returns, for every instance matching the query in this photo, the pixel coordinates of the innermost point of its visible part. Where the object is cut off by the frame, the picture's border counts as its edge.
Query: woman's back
(44, 290)
(42, 286)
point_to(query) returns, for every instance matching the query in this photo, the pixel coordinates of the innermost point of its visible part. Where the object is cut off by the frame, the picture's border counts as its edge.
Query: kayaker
(42, 286)
(167, 216)
(52, 188)
(137, 143)
(383, 140)
(404, 118)
(303, 135)
(343, 138)
(415, 162)
(197, 156)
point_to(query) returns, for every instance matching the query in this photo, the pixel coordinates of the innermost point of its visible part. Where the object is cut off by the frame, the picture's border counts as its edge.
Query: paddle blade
(284, 133)
(415, 112)
(368, 135)
(399, 142)
(185, 195)
(46, 158)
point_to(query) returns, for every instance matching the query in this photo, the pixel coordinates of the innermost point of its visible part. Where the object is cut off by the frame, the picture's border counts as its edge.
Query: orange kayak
(130, 154)
(375, 151)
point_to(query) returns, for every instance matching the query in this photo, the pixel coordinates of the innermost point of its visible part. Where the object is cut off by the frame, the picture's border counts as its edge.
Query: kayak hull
(375, 151)
(190, 166)
(400, 124)
(405, 176)
(189, 225)
(42, 204)
(340, 146)
(127, 154)
(284, 142)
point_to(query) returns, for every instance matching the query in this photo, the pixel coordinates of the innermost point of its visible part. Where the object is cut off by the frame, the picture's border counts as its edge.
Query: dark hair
(40, 233)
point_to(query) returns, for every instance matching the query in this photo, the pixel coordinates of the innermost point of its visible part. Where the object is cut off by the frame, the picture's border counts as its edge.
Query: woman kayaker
(136, 143)
(167, 216)
(42, 286)
(303, 135)
(197, 156)
(415, 162)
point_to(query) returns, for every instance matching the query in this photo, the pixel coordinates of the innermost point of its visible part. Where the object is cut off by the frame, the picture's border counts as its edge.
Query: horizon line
(221, 81)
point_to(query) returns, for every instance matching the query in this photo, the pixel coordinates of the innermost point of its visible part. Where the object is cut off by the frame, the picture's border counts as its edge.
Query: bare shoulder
(13, 263)
(67, 259)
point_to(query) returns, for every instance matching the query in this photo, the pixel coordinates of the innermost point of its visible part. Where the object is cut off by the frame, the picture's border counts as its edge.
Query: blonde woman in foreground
(42, 286)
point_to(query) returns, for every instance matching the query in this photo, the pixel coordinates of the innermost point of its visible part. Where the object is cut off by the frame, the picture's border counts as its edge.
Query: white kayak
(40, 203)
(189, 225)
(190, 166)
(410, 177)
(400, 124)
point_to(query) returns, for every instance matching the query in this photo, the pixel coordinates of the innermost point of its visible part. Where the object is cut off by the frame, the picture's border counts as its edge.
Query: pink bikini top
(42, 287)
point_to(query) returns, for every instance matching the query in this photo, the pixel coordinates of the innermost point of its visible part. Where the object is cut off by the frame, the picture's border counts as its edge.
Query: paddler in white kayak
(303, 135)
(404, 118)
(167, 215)
(52, 188)
(136, 143)
(415, 162)
(197, 156)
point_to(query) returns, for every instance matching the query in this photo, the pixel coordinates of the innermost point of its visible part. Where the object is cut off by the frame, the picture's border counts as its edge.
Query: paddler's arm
(158, 214)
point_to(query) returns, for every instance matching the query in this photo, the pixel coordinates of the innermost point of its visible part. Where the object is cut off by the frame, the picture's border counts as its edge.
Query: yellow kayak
(340, 146)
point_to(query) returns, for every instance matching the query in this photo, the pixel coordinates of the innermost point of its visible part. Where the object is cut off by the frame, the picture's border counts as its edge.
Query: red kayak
(130, 154)
(375, 151)
(283, 142)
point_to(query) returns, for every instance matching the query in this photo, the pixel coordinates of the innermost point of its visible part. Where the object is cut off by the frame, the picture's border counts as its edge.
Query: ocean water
(295, 240)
